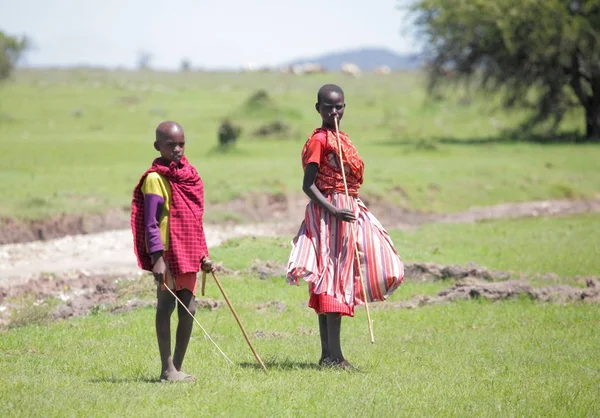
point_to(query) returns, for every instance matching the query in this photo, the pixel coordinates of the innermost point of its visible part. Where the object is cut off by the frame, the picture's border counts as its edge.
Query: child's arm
(311, 190)
(153, 204)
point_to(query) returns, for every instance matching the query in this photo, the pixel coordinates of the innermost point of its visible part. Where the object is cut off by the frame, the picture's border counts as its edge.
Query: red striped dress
(323, 250)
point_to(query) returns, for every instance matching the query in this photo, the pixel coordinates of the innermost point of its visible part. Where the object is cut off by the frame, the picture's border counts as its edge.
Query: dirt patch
(472, 289)
(15, 230)
(51, 297)
(306, 331)
(432, 272)
(64, 288)
(522, 210)
(269, 334)
(47, 297)
(72, 296)
(273, 306)
(286, 210)
(131, 305)
(98, 254)
(208, 303)
(267, 269)
(265, 207)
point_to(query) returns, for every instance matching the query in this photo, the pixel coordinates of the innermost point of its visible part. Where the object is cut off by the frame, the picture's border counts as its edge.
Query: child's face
(331, 105)
(171, 147)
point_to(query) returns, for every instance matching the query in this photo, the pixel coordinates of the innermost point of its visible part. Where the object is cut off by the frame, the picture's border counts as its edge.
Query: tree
(548, 49)
(185, 65)
(11, 49)
(144, 60)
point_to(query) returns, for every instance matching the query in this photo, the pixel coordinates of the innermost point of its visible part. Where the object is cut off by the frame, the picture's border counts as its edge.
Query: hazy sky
(216, 33)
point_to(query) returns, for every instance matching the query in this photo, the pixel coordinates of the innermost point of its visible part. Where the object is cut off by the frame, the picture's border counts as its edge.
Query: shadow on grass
(286, 365)
(121, 380)
(511, 137)
(508, 137)
(282, 365)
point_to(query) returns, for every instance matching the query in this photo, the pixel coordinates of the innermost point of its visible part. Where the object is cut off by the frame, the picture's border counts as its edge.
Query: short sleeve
(153, 185)
(313, 150)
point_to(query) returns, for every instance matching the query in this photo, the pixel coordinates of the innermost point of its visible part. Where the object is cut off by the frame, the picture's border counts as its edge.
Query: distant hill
(366, 58)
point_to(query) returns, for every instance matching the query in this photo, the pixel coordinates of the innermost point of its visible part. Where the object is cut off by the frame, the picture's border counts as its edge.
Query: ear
(156, 146)
(317, 107)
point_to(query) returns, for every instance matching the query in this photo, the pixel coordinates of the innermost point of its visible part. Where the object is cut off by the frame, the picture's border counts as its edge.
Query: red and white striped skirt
(323, 255)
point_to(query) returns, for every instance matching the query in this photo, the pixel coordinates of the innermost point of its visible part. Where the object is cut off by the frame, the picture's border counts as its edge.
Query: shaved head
(170, 140)
(326, 90)
(169, 130)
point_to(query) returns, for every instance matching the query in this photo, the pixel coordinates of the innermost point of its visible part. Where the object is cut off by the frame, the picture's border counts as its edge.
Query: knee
(165, 306)
(191, 307)
(189, 300)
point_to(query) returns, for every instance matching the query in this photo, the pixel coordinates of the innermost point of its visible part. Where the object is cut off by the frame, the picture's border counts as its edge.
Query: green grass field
(516, 358)
(511, 358)
(76, 141)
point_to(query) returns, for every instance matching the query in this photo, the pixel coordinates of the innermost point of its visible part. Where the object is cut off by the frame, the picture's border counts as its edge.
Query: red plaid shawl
(187, 243)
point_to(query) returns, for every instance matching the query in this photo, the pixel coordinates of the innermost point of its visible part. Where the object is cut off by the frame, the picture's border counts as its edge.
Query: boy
(169, 241)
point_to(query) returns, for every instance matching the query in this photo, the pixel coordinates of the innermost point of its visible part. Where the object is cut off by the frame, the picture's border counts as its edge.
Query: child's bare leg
(184, 328)
(334, 325)
(325, 356)
(164, 308)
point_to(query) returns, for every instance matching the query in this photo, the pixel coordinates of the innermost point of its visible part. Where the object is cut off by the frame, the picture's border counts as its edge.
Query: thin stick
(201, 327)
(354, 235)
(239, 322)
(203, 283)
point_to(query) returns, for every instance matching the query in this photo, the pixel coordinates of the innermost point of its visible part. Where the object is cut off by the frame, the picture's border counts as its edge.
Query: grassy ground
(470, 358)
(512, 358)
(76, 141)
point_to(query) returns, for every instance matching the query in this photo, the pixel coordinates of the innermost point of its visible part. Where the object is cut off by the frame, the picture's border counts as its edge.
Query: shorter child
(169, 241)
(323, 250)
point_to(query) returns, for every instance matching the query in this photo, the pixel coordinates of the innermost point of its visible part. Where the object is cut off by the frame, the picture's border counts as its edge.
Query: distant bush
(11, 49)
(228, 133)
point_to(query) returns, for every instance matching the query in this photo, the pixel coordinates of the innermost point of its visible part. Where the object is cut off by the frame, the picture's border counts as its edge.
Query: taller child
(169, 241)
(323, 250)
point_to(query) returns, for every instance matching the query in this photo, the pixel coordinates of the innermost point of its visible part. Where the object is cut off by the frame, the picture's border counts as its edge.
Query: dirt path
(111, 251)
(97, 254)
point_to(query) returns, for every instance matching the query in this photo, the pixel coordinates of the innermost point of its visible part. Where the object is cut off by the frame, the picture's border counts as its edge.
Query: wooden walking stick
(198, 323)
(354, 235)
(203, 283)
(239, 323)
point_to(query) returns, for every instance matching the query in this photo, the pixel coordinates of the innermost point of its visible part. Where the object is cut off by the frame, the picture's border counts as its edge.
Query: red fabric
(329, 177)
(183, 281)
(324, 303)
(313, 151)
(187, 243)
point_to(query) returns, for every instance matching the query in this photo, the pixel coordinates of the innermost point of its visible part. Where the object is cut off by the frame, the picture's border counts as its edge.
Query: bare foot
(340, 364)
(346, 365)
(176, 376)
(325, 362)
